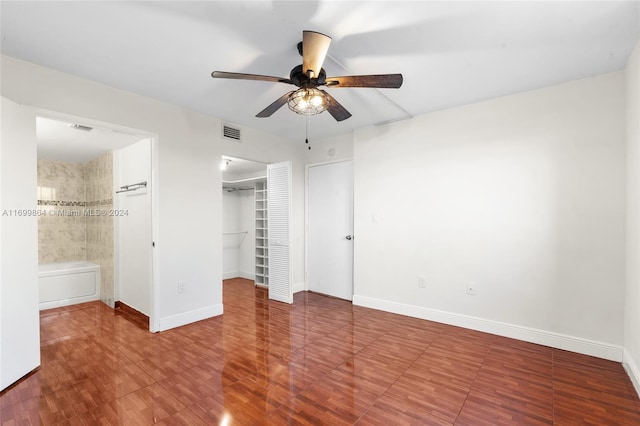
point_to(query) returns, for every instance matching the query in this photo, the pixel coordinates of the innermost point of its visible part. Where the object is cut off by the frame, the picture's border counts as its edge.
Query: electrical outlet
(471, 288)
(422, 283)
(181, 288)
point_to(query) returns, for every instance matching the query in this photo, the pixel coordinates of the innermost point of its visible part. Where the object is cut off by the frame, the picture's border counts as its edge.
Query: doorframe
(154, 317)
(306, 216)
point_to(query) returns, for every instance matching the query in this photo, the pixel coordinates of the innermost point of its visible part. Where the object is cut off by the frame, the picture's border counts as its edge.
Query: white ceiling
(450, 53)
(238, 168)
(241, 174)
(59, 142)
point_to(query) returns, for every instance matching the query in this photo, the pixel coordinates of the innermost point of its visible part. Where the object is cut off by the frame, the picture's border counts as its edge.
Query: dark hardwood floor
(318, 361)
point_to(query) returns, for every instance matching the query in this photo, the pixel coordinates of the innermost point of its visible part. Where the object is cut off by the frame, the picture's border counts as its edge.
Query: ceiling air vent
(81, 127)
(230, 132)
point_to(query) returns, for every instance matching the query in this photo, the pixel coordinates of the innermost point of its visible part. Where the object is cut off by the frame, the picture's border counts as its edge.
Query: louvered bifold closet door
(279, 231)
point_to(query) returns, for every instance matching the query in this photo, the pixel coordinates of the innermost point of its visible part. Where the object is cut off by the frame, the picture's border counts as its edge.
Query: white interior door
(279, 231)
(330, 229)
(19, 302)
(134, 227)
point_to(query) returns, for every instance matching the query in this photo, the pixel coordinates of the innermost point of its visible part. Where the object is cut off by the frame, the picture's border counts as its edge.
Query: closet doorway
(245, 252)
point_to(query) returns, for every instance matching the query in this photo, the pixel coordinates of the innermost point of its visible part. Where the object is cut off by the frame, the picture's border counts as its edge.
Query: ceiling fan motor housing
(302, 80)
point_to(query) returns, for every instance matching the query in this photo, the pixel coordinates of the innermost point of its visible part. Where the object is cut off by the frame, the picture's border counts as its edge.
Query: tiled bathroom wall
(61, 193)
(77, 225)
(99, 227)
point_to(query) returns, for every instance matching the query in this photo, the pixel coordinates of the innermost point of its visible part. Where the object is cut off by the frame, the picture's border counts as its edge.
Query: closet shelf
(262, 242)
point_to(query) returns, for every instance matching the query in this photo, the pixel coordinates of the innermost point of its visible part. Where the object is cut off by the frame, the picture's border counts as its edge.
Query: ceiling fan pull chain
(306, 132)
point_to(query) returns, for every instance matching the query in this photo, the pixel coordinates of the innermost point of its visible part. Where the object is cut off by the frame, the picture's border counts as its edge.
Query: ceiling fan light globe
(307, 101)
(317, 101)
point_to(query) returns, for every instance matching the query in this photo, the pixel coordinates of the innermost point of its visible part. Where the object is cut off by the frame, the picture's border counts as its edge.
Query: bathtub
(68, 283)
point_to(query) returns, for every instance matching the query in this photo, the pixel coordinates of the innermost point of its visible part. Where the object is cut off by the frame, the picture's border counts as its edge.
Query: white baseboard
(229, 275)
(248, 275)
(541, 337)
(298, 287)
(632, 370)
(239, 274)
(185, 318)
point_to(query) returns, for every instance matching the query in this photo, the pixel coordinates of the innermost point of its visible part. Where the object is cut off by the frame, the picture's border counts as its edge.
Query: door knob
(348, 237)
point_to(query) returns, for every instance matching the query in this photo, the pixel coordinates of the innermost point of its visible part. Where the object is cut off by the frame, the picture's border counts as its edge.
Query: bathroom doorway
(86, 172)
(244, 220)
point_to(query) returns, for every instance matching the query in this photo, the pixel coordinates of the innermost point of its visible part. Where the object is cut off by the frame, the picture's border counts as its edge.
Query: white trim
(154, 318)
(239, 274)
(298, 287)
(111, 299)
(185, 318)
(229, 275)
(247, 275)
(632, 370)
(324, 163)
(541, 337)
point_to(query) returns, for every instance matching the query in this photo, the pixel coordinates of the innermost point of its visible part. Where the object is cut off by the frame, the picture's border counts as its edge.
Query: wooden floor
(318, 361)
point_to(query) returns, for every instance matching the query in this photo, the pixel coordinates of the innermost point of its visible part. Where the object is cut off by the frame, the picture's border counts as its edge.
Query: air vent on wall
(81, 127)
(229, 132)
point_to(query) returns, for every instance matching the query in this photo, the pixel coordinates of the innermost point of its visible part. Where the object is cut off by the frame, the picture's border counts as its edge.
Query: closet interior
(244, 223)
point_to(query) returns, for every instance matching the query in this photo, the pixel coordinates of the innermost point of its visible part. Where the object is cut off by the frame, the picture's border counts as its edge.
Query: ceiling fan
(308, 99)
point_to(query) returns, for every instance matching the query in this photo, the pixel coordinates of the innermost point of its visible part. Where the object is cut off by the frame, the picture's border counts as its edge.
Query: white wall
(247, 251)
(238, 234)
(19, 310)
(632, 296)
(522, 195)
(188, 244)
(231, 240)
(331, 149)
